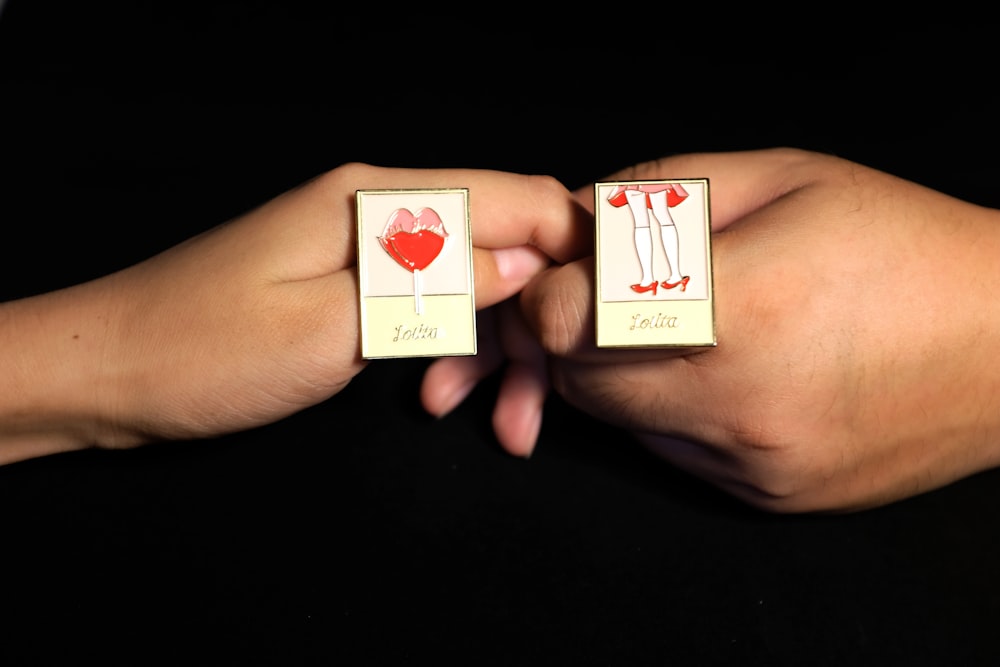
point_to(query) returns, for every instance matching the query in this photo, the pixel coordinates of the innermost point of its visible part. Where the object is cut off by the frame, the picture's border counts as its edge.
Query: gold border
(466, 335)
(699, 313)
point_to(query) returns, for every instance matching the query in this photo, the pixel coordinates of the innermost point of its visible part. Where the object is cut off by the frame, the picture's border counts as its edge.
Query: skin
(246, 323)
(855, 363)
(857, 332)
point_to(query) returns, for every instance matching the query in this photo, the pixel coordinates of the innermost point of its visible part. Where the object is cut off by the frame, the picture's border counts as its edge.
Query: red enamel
(414, 241)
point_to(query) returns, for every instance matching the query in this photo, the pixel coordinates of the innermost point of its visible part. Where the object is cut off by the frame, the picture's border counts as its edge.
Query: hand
(244, 324)
(857, 332)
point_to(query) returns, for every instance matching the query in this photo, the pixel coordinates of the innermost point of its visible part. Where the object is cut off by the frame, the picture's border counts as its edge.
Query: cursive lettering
(658, 321)
(419, 332)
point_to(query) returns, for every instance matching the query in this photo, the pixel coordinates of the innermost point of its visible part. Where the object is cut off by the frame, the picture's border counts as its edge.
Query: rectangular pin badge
(415, 273)
(654, 264)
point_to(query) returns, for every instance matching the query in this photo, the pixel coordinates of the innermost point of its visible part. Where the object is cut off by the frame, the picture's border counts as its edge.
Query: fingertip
(449, 380)
(444, 387)
(517, 418)
(517, 265)
(503, 272)
(440, 404)
(518, 436)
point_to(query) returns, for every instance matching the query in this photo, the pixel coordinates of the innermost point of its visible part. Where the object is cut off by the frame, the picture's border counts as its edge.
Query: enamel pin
(415, 273)
(654, 264)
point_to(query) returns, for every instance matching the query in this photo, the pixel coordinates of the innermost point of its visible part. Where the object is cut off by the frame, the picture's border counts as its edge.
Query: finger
(506, 209)
(750, 185)
(310, 230)
(523, 388)
(449, 380)
(517, 416)
(501, 273)
(558, 306)
(740, 181)
(517, 222)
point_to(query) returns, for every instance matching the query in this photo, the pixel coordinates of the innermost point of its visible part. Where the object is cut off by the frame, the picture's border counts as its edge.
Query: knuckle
(779, 472)
(345, 176)
(545, 186)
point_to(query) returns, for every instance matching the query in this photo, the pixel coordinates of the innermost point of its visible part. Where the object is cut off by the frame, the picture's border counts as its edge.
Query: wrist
(56, 375)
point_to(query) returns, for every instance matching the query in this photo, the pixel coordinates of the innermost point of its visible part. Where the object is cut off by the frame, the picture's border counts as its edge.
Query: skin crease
(243, 324)
(848, 374)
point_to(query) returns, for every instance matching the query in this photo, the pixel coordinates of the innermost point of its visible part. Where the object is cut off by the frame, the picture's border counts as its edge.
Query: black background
(341, 536)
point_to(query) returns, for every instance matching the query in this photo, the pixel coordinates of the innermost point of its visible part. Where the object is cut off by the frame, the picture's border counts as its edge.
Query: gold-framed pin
(415, 280)
(653, 256)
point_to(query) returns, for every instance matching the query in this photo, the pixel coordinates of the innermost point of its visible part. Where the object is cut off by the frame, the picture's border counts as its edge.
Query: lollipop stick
(418, 299)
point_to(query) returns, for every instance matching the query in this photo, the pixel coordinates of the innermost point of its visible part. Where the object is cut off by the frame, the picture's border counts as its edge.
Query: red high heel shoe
(651, 287)
(683, 282)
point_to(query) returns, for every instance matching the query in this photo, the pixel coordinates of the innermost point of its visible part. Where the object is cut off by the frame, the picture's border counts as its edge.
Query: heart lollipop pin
(414, 240)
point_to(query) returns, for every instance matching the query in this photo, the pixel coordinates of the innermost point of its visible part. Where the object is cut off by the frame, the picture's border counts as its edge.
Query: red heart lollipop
(413, 240)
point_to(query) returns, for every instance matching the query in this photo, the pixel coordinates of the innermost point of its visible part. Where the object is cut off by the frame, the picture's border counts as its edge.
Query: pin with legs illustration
(415, 273)
(654, 264)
